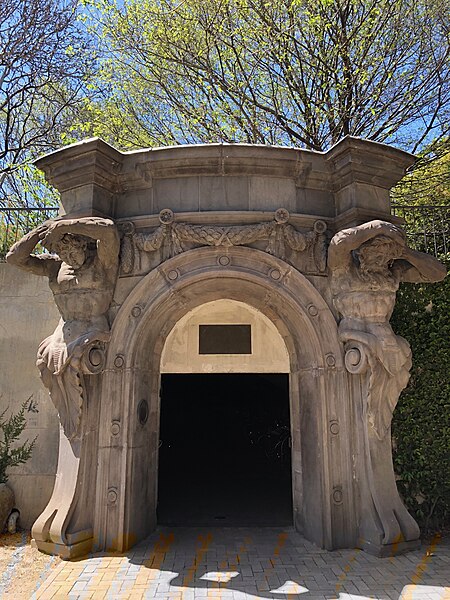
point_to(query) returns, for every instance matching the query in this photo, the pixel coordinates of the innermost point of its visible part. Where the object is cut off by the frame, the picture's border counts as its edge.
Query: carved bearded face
(71, 249)
(376, 256)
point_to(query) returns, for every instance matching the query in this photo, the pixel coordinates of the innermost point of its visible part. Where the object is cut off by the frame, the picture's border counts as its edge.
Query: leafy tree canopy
(156, 72)
(45, 60)
(295, 72)
(429, 182)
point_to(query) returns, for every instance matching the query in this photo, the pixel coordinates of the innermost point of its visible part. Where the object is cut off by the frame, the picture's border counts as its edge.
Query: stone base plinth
(387, 550)
(66, 552)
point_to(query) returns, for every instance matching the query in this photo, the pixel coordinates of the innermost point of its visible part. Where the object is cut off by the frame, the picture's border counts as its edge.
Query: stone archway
(322, 480)
(190, 225)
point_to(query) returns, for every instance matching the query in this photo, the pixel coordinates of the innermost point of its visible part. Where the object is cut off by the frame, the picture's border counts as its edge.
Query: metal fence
(16, 222)
(427, 227)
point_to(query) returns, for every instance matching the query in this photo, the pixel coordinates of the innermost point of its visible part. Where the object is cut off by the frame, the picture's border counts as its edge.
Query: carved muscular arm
(20, 254)
(103, 231)
(418, 267)
(342, 244)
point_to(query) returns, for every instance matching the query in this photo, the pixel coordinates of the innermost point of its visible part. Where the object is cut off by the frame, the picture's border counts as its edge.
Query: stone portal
(225, 442)
(225, 432)
(279, 244)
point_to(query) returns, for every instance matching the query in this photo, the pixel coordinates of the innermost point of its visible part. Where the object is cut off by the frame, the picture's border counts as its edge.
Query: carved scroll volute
(93, 359)
(356, 361)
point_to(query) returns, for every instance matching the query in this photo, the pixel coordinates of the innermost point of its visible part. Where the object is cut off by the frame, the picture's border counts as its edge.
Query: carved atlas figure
(367, 264)
(82, 270)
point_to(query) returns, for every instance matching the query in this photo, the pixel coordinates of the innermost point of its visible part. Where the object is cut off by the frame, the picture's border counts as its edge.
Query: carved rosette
(174, 237)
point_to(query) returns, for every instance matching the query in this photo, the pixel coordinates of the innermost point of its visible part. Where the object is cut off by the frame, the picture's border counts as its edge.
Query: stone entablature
(348, 183)
(306, 239)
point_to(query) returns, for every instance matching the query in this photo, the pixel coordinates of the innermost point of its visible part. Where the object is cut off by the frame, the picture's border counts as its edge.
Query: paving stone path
(248, 564)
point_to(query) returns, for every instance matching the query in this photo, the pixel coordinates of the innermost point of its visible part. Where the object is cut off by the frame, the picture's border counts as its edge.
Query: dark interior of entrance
(224, 456)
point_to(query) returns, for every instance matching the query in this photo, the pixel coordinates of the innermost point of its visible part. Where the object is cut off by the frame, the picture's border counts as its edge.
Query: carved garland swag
(170, 238)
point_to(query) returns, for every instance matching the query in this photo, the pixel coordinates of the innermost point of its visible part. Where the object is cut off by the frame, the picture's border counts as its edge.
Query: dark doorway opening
(224, 456)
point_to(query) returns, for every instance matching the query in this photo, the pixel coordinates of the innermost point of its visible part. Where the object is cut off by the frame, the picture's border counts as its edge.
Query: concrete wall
(27, 315)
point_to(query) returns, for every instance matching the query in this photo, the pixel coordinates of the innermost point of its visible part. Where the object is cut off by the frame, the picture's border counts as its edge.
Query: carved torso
(82, 293)
(367, 299)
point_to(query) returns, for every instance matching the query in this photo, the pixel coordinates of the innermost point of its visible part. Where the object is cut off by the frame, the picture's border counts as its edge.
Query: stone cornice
(362, 161)
(90, 162)
(224, 160)
(351, 160)
(95, 178)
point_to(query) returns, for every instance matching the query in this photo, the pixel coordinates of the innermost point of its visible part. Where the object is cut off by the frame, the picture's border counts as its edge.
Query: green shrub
(421, 424)
(10, 430)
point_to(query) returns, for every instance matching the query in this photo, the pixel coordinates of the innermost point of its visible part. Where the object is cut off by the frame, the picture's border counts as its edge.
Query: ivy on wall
(421, 424)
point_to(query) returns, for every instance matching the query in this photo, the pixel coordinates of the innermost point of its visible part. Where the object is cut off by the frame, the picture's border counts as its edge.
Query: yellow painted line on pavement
(205, 541)
(421, 568)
